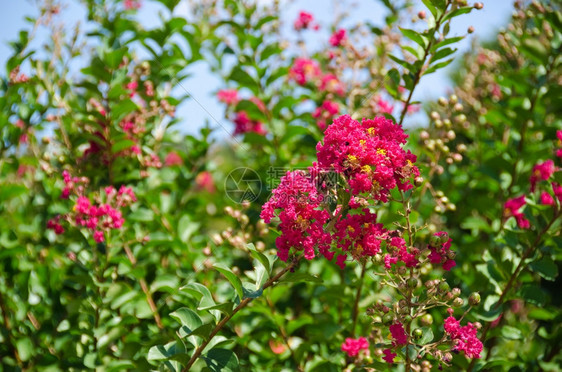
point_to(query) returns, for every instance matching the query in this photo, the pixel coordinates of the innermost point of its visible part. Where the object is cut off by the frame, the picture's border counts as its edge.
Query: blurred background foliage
(70, 303)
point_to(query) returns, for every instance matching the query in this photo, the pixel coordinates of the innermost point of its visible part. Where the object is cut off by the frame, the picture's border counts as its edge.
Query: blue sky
(204, 107)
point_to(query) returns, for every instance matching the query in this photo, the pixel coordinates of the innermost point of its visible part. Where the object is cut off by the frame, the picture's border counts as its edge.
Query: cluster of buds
(244, 234)
(407, 322)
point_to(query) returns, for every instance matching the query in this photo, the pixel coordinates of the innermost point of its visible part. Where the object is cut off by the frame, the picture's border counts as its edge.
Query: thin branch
(240, 306)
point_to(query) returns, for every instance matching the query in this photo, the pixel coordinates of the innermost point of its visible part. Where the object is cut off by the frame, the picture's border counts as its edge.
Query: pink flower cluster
(388, 356)
(512, 209)
(352, 346)
(305, 21)
(464, 338)
(97, 217)
(441, 252)
(337, 38)
(369, 154)
(302, 221)
(398, 334)
(72, 184)
(304, 70)
(370, 157)
(228, 96)
(540, 172)
(359, 234)
(382, 106)
(243, 124)
(325, 113)
(132, 4)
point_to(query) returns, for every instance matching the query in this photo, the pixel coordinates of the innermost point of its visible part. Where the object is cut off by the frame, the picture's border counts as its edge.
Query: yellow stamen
(381, 151)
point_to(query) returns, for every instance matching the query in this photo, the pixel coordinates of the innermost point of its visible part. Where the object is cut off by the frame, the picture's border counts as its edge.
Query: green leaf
(165, 352)
(244, 79)
(25, 348)
(232, 278)
(415, 36)
(121, 145)
(300, 277)
(253, 111)
(115, 57)
(441, 53)
(534, 49)
(262, 258)
(457, 12)
(445, 42)
(430, 7)
(188, 319)
(9, 191)
(546, 268)
(533, 294)
(186, 228)
(427, 336)
(221, 360)
(406, 65)
(511, 333)
(437, 66)
(268, 51)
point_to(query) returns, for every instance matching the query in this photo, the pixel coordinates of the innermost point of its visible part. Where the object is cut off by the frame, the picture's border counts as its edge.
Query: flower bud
(470, 29)
(453, 98)
(418, 181)
(434, 115)
(442, 101)
(388, 319)
(426, 320)
(434, 240)
(478, 6)
(377, 320)
(444, 286)
(458, 302)
(421, 14)
(456, 292)
(417, 334)
(407, 319)
(413, 283)
(474, 299)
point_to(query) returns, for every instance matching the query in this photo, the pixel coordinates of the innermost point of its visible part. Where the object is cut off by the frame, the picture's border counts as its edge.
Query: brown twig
(145, 289)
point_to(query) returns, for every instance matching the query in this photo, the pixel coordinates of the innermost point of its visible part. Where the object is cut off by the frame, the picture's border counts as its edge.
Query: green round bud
(387, 319)
(434, 240)
(426, 320)
(407, 318)
(377, 319)
(444, 286)
(474, 299)
(413, 283)
(417, 334)
(458, 302)
(444, 238)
